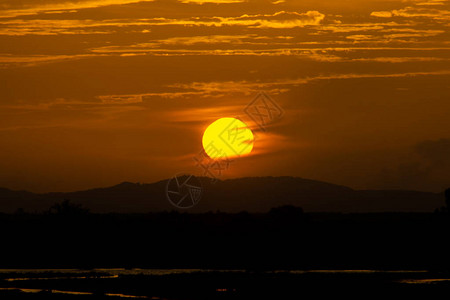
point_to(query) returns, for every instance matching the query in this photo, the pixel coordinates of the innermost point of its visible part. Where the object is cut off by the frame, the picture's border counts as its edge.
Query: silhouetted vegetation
(444, 211)
(283, 238)
(67, 209)
(447, 198)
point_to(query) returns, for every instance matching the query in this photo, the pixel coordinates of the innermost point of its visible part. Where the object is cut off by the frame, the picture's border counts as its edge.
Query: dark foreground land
(284, 238)
(268, 248)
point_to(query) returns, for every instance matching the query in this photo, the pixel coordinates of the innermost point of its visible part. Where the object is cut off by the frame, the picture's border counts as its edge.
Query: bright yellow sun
(227, 137)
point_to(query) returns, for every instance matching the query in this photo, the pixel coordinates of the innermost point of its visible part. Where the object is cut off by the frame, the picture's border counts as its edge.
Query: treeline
(68, 236)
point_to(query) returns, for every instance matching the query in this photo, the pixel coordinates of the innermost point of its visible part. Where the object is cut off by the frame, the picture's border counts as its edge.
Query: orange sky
(93, 93)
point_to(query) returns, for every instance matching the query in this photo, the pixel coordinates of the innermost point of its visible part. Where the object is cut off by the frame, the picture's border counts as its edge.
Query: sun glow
(227, 137)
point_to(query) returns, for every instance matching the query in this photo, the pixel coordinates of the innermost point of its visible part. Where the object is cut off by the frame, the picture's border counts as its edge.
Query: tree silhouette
(67, 208)
(447, 198)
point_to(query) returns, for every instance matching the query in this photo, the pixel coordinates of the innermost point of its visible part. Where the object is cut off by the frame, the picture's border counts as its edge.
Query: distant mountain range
(252, 194)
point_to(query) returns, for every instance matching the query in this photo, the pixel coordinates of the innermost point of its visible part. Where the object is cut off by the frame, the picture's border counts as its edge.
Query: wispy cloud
(321, 54)
(431, 3)
(19, 27)
(212, 1)
(33, 60)
(223, 88)
(22, 8)
(279, 20)
(399, 59)
(415, 12)
(121, 99)
(209, 88)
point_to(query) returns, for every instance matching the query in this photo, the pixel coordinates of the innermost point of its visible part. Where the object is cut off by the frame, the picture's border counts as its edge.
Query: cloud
(212, 1)
(247, 39)
(400, 59)
(426, 168)
(437, 152)
(202, 45)
(353, 27)
(325, 54)
(382, 14)
(414, 12)
(430, 2)
(359, 37)
(224, 88)
(7, 61)
(280, 19)
(121, 99)
(53, 27)
(22, 8)
(249, 87)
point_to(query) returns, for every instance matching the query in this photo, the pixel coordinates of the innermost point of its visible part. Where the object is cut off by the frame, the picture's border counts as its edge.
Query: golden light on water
(226, 138)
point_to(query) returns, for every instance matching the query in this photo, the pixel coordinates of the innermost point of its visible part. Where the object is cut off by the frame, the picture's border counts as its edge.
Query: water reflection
(425, 281)
(54, 281)
(73, 293)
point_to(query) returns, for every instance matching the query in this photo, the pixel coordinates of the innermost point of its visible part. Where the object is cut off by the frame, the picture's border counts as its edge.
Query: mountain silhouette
(252, 194)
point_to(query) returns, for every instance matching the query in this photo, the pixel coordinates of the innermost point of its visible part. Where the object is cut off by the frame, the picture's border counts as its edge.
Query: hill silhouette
(252, 194)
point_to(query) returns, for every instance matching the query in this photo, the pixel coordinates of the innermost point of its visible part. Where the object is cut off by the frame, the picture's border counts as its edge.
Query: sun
(226, 138)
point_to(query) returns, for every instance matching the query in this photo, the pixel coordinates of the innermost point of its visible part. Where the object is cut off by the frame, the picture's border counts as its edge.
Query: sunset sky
(93, 93)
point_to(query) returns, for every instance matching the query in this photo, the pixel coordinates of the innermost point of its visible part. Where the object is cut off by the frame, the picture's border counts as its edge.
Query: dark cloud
(436, 152)
(427, 168)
